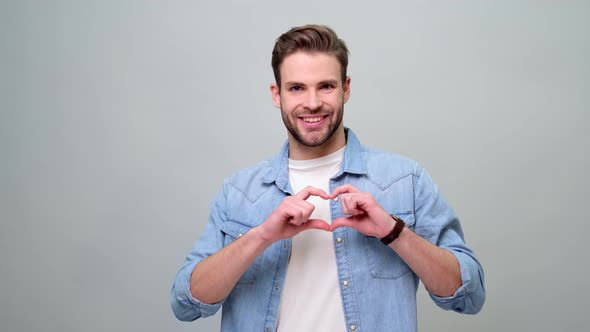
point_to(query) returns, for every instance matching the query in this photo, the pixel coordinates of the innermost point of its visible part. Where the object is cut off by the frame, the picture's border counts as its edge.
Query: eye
(296, 88)
(327, 86)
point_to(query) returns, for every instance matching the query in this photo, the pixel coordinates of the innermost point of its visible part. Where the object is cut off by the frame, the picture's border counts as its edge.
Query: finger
(294, 202)
(296, 214)
(317, 224)
(341, 222)
(347, 188)
(307, 209)
(309, 191)
(352, 204)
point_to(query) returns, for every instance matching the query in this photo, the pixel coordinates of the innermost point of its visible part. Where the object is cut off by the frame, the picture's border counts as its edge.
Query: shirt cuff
(191, 303)
(461, 300)
(204, 309)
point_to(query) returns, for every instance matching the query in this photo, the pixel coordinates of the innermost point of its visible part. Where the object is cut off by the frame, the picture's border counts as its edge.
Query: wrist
(261, 236)
(389, 225)
(395, 231)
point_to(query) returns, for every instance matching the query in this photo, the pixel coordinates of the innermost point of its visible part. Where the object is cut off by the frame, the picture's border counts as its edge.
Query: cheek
(288, 105)
(334, 100)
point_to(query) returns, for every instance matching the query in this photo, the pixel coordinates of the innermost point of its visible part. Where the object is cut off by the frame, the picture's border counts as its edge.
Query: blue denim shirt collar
(353, 162)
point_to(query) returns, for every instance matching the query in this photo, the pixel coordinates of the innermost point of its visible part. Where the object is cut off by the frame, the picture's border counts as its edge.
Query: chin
(315, 142)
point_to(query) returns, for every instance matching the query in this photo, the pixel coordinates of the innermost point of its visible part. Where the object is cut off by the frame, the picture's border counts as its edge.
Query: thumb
(340, 222)
(316, 224)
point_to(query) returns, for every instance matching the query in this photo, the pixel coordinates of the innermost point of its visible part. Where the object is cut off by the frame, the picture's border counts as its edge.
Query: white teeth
(312, 120)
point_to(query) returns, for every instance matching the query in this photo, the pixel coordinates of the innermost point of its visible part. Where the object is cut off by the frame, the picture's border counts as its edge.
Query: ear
(346, 89)
(276, 95)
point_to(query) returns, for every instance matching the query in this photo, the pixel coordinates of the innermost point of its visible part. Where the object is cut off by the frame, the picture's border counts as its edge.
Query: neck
(298, 151)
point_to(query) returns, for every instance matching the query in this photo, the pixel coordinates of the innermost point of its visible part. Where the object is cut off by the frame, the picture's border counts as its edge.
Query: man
(330, 235)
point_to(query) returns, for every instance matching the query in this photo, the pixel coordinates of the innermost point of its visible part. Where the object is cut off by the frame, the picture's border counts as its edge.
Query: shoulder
(249, 181)
(385, 164)
(255, 171)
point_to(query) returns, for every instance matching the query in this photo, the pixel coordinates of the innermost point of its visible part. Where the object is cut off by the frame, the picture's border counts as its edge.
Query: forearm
(215, 276)
(437, 268)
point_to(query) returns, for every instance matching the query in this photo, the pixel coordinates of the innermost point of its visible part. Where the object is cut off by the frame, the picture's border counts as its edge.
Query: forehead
(306, 67)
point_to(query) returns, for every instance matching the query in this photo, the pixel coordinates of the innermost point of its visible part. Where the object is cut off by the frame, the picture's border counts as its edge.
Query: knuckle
(299, 214)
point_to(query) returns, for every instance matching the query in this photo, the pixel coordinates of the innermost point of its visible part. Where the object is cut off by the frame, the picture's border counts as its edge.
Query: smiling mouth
(313, 120)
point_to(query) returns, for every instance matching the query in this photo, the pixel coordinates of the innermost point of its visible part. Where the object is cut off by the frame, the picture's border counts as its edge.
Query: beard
(313, 141)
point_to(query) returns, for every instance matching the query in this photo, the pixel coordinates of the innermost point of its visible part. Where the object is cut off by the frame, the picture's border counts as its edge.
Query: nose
(313, 100)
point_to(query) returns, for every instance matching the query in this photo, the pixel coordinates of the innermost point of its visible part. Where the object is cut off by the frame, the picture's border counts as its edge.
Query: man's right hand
(215, 276)
(292, 216)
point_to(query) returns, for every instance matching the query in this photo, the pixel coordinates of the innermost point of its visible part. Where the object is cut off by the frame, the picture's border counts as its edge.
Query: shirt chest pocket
(232, 231)
(383, 262)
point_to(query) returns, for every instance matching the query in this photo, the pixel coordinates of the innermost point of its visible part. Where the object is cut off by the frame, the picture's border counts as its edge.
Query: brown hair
(309, 38)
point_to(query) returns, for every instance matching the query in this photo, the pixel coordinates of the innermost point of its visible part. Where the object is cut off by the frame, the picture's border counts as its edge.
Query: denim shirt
(378, 289)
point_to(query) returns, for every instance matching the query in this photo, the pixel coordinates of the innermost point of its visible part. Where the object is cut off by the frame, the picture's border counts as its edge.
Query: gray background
(120, 119)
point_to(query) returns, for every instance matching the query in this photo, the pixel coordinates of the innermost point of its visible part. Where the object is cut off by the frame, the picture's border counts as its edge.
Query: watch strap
(395, 232)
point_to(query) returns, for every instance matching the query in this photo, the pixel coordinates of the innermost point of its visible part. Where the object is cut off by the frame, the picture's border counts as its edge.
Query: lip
(313, 124)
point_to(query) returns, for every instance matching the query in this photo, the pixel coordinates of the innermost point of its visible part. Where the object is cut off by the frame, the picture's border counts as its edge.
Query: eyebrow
(292, 83)
(333, 82)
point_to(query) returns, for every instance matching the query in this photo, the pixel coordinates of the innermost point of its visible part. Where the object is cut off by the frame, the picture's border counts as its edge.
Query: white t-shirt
(311, 299)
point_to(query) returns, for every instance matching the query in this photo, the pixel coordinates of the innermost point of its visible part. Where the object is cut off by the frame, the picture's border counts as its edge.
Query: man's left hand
(367, 216)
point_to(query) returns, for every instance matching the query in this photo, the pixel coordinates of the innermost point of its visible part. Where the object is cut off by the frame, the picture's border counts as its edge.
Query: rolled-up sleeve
(437, 222)
(184, 305)
(470, 297)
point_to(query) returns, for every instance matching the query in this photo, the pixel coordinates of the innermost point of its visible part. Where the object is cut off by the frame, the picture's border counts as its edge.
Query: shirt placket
(345, 277)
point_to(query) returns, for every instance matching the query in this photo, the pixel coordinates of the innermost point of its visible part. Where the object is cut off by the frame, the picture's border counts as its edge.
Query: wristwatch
(397, 229)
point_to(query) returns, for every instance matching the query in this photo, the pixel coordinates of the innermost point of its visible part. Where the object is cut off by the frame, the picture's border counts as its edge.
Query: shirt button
(284, 245)
(335, 199)
(267, 330)
(345, 283)
(338, 239)
(240, 235)
(352, 327)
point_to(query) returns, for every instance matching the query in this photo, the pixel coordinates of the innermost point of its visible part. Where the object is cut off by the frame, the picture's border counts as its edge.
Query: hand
(292, 216)
(367, 216)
